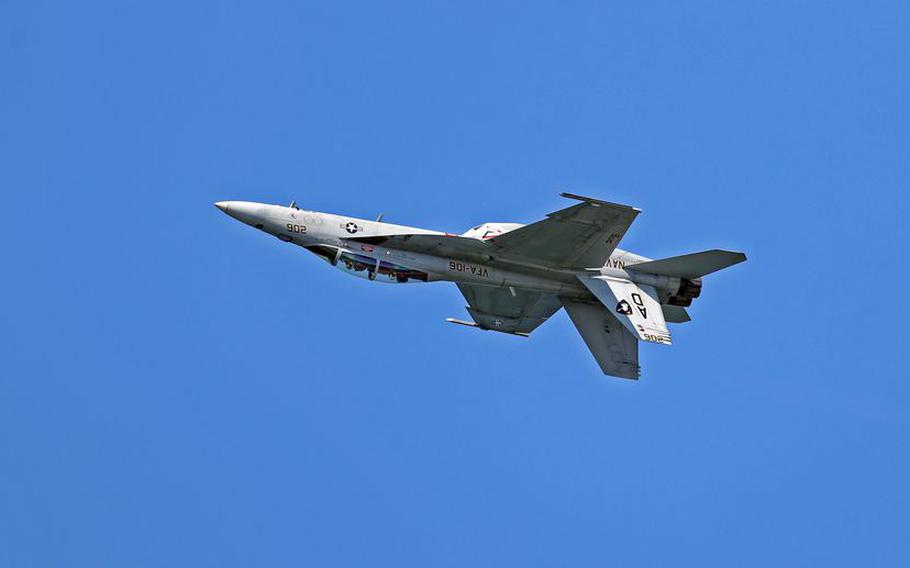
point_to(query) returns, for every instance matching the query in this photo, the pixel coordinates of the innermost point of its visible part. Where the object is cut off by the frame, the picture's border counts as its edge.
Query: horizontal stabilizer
(675, 314)
(693, 265)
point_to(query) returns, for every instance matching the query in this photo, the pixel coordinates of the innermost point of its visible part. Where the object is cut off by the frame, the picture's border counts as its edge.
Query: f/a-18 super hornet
(516, 276)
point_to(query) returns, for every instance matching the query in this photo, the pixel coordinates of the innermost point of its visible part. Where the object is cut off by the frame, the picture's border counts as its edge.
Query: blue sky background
(178, 389)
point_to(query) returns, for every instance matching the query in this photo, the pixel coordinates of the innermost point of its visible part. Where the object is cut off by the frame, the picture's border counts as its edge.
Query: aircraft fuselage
(328, 236)
(514, 277)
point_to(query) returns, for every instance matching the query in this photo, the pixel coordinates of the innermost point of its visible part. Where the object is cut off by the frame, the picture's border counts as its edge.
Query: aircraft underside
(514, 277)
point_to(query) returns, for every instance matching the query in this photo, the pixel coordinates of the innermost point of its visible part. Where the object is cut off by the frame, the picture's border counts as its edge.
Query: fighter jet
(516, 276)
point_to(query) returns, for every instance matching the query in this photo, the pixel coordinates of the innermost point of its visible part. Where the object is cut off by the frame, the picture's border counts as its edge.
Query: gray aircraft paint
(612, 304)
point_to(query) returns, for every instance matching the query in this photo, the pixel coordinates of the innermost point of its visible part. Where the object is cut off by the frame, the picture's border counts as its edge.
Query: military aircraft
(516, 276)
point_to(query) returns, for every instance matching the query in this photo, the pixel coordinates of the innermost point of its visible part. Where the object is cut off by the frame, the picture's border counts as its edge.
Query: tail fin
(694, 265)
(635, 306)
(613, 346)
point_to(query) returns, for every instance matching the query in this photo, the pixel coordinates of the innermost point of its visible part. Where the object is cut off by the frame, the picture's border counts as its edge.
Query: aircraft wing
(502, 310)
(613, 346)
(581, 236)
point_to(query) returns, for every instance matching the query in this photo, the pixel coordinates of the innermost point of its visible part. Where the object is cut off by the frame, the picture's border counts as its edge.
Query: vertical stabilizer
(611, 344)
(635, 306)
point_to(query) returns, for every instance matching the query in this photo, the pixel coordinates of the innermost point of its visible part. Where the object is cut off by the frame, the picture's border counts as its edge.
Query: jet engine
(688, 291)
(673, 291)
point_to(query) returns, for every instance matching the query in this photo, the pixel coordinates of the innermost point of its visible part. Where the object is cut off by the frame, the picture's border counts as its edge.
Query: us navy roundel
(351, 228)
(623, 307)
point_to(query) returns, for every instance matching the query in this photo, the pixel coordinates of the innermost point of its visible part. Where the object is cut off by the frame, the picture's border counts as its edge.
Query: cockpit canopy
(490, 230)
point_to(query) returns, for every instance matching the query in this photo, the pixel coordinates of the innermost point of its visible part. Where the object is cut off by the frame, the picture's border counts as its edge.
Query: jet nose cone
(248, 212)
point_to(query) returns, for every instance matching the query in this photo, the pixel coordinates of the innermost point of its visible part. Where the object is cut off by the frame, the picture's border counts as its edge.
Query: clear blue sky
(178, 389)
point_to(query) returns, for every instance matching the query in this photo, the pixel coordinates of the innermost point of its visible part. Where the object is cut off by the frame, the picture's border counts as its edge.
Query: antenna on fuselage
(379, 219)
(293, 205)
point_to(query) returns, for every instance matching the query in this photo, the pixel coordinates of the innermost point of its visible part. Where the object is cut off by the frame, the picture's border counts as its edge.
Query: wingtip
(739, 256)
(463, 322)
(734, 255)
(597, 202)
